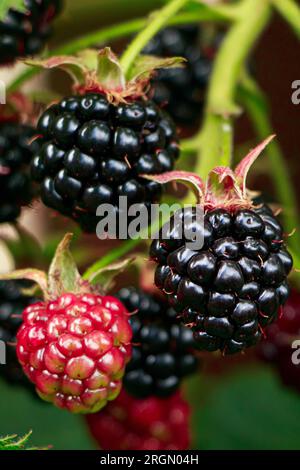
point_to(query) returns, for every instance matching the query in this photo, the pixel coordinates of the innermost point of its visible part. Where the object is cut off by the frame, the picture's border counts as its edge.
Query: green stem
(112, 256)
(254, 101)
(156, 21)
(121, 30)
(122, 250)
(226, 143)
(229, 63)
(290, 12)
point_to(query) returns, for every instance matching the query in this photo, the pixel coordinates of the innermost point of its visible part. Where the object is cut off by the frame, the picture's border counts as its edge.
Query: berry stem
(157, 20)
(255, 102)
(226, 142)
(290, 12)
(229, 63)
(125, 248)
(120, 30)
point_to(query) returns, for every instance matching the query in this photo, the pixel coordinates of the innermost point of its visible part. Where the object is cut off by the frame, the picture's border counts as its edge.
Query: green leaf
(105, 276)
(5, 5)
(63, 275)
(250, 410)
(109, 73)
(13, 442)
(145, 65)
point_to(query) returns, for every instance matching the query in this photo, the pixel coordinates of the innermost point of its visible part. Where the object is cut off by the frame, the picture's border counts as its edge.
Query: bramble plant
(113, 135)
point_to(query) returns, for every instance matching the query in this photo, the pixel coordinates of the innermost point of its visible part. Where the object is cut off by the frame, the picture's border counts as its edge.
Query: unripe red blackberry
(236, 284)
(25, 33)
(95, 146)
(281, 346)
(74, 345)
(16, 152)
(12, 304)
(74, 349)
(148, 424)
(181, 91)
(162, 354)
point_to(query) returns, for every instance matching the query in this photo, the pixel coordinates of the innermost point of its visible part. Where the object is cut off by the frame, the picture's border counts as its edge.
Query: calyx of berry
(63, 275)
(101, 72)
(224, 188)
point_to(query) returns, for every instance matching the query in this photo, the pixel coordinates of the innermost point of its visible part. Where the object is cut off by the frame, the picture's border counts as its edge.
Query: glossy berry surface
(12, 304)
(74, 349)
(16, 152)
(23, 34)
(181, 90)
(163, 350)
(232, 287)
(149, 424)
(282, 343)
(93, 152)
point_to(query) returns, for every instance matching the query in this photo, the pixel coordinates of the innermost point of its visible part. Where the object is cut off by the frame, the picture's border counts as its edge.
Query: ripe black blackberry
(95, 146)
(16, 152)
(163, 350)
(12, 304)
(236, 284)
(24, 34)
(182, 91)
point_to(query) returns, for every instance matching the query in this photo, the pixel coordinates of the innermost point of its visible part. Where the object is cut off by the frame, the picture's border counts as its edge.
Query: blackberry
(16, 153)
(163, 350)
(281, 345)
(23, 34)
(12, 304)
(182, 91)
(232, 287)
(92, 152)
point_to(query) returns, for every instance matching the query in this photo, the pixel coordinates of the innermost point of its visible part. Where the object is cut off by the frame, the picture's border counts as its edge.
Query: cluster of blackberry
(12, 304)
(93, 152)
(16, 153)
(182, 90)
(232, 287)
(163, 350)
(23, 34)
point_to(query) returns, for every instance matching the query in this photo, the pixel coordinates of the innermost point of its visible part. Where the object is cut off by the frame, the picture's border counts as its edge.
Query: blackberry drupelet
(281, 345)
(163, 350)
(232, 287)
(16, 152)
(181, 90)
(23, 34)
(93, 152)
(12, 304)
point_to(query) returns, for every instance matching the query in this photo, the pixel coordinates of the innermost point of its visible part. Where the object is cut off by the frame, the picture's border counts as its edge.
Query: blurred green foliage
(244, 410)
(20, 411)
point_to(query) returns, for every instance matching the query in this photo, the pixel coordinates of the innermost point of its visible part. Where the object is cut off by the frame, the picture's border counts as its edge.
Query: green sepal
(34, 275)
(104, 277)
(109, 72)
(63, 275)
(145, 66)
(101, 70)
(72, 65)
